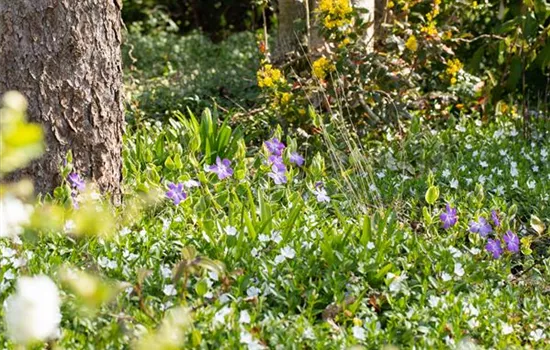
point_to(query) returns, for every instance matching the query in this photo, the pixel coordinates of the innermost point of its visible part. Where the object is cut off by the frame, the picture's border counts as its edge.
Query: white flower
(459, 271)
(308, 333)
(537, 335)
(507, 329)
(124, 231)
(219, 317)
(446, 277)
(531, 184)
(359, 333)
(370, 245)
(264, 238)
(32, 313)
(191, 183)
(514, 171)
(279, 259)
(475, 251)
(456, 253)
(446, 173)
(169, 290)
(454, 183)
(253, 344)
(165, 271)
(230, 231)
(483, 164)
(253, 291)
(244, 317)
(107, 263)
(276, 236)
(434, 301)
(398, 282)
(13, 215)
(288, 252)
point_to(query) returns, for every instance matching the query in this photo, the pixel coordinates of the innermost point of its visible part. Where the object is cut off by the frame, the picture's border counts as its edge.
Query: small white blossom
(244, 317)
(252, 292)
(507, 329)
(230, 231)
(537, 335)
(169, 290)
(359, 333)
(459, 270)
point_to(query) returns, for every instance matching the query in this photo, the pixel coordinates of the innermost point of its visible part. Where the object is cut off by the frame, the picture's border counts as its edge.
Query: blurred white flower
(252, 291)
(459, 270)
(169, 290)
(454, 183)
(288, 252)
(230, 231)
(537, 335)
(244, 317)
(219, 317)
(359, 333)
(32, 313)
(507, 329)
(446, 277)
(14, 214)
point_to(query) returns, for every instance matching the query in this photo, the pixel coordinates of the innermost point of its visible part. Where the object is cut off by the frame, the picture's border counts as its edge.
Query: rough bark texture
(64, 56)
(288, 41)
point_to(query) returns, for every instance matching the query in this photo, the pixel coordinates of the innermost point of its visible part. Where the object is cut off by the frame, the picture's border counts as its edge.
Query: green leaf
(432, 194)
(537, 225)
(427, 216)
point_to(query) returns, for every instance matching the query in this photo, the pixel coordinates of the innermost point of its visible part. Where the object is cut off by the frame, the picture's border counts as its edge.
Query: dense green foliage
(418, 219)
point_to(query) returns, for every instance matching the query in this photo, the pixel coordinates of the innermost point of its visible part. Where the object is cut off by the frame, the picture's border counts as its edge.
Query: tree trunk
(290, 11)
(367, 5)
(64, 56)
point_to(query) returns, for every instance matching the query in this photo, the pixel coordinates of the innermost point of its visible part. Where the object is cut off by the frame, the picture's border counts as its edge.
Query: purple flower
(494, 217)
(274, 146)
(277, 161)
(481, 226)
(76, 181)
(175, 193)
(278, 175)
(512, 241)
(222, 168)
(449, 217)
(493, 247)
(296, 159)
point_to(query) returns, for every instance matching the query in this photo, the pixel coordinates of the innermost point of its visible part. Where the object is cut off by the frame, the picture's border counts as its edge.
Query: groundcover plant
(347, 198)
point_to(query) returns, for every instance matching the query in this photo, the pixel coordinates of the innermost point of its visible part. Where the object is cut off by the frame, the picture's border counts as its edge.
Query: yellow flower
(357, 322)
(269, 77)
(411, 43)
(430, 29)
(390, 4)
(453, 67)
(285, 98)
(321, 67)
(335, 13)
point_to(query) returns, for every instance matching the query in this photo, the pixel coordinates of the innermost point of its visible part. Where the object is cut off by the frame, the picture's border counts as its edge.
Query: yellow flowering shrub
(269, 77)
(453, 67)
(322, 67)
(335, 13)
(411, 43)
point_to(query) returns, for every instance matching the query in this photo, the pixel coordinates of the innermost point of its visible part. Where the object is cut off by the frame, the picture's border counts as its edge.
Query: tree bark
(367, 5)
(290, 11)
(64, 56)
